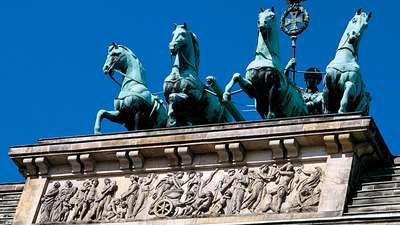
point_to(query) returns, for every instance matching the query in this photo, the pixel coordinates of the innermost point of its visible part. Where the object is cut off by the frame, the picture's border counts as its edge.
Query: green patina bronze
(190, 102)
(135, 106)
(275, 95)
(311, 96)
(344, 89)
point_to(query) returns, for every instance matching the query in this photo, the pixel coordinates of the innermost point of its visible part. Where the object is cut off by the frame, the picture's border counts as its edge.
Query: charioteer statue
(312, 97)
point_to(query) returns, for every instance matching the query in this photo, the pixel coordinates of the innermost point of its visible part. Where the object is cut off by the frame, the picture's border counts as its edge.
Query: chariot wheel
(163, 208)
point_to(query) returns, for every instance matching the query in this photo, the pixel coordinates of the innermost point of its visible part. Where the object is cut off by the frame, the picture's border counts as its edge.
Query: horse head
(113, 56)
(180, 38)
(268, 28)
(184, 41)
(354, 31)
(117, 57)
(120, 58)
(266, 19)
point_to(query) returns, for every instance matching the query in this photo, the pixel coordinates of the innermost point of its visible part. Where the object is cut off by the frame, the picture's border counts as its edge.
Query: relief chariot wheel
(294, 20)
(163, 208)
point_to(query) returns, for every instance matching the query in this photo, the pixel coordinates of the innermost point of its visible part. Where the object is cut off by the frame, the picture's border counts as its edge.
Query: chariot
(168, 202)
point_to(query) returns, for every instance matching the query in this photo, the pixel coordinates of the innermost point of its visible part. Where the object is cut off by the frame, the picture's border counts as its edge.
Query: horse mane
(196, 48)
(142, 70)
(128, 50)
(274, 41)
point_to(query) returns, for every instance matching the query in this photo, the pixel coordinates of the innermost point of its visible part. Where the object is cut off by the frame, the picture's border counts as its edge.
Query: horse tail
(156, 105)
(363, 102)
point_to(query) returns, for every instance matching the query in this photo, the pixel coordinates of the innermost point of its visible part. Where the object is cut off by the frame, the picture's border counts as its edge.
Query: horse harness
(156, 102)
(347, 48)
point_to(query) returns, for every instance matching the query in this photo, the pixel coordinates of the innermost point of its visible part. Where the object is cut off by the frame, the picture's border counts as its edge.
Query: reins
(125, 76)
(188, 62)
(348, 48)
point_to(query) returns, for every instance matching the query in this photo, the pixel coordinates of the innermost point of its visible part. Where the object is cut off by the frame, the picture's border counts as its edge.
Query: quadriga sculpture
(275, 95)
(135, 106)
(344, 89)
(190, 102)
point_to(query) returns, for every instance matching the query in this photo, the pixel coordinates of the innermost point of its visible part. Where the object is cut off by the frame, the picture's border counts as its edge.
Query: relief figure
(47, 203)
(131, 195)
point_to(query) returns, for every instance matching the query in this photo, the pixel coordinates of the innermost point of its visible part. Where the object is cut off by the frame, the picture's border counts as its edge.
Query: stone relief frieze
(235, 191)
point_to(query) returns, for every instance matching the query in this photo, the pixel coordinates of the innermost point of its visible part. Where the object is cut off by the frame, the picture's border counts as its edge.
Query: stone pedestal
(299, 170)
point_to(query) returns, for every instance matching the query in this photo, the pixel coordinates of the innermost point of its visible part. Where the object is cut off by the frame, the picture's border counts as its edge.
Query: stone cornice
(230, 142)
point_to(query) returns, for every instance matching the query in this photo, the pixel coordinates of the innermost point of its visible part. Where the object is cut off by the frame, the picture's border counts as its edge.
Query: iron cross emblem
(294, 20)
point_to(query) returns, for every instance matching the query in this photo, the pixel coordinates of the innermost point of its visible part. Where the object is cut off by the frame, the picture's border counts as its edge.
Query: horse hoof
(97, 131)
(171, 123)
(226, 97)
(271, 116)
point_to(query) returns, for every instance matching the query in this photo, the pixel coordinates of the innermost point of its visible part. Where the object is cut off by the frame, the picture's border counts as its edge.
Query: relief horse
(190, 102)
(135, 106)
(344, 89)
(275, 95)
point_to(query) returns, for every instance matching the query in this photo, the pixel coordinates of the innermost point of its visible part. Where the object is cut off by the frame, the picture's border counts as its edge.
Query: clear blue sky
(52, 53)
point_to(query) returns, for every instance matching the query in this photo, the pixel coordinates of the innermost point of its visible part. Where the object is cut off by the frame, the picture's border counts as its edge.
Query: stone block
(124, 162)
(29, 201)
(76, 166)
(237, 151)
(335, 185)
(137, 159)
(222, 152)
(88, 162)
(364, 148)
(43, 165)
(277, 149)
(346, 142)
(331, 144)
(376, 200)
(172, 156)
(292, 147)
(29, 164)
(185, 155)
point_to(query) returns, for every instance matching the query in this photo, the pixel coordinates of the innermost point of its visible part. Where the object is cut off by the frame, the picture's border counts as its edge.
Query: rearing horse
(135, 106)
(189, 100)
(344, 89)
(275, 95)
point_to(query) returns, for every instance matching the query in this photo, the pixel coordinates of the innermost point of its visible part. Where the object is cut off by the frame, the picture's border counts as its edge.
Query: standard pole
(294, 38)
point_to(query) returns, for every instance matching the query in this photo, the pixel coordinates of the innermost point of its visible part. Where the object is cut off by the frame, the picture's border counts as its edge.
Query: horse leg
(140, 121)
(261, 107)
(272, 97)
(348, 94)
(113, 116)
(273, 94)
(174, 100)
(244, 84)
(327, 96)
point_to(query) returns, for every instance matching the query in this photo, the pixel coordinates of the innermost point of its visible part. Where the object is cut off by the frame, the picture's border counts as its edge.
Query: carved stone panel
(268, 188)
